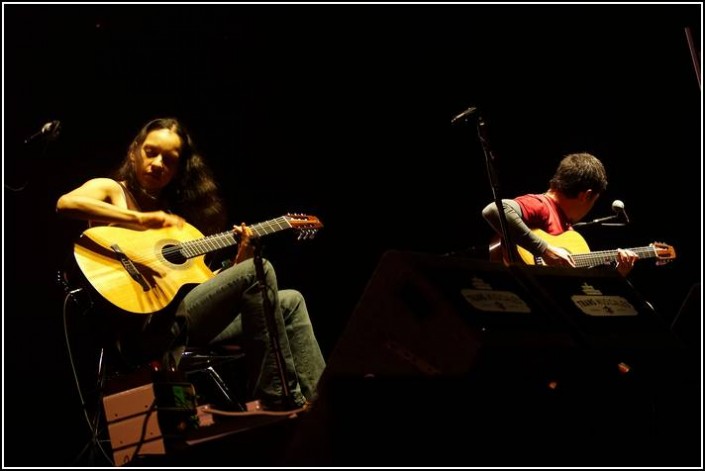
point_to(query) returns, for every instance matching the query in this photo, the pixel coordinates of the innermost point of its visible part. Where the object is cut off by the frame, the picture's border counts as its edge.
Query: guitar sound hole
(172, 254)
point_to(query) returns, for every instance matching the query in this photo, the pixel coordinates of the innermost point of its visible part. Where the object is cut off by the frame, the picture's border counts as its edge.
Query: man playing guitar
(573, 190)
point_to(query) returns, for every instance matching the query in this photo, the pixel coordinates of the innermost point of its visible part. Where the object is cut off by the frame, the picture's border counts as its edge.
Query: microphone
(469, 112)
(618, 207)
(49, 131)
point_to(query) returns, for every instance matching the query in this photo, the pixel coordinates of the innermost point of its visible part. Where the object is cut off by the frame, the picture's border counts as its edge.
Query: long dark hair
(193, 193)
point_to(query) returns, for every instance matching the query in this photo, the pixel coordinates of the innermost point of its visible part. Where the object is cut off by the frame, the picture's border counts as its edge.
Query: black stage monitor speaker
(431, 316)
(457, 362)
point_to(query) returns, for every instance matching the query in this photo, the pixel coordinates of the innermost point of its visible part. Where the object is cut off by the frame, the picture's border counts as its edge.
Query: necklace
(148, 195)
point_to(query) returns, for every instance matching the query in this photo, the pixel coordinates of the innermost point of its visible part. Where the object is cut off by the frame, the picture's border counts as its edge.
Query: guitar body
(162, 279)
(571, 241)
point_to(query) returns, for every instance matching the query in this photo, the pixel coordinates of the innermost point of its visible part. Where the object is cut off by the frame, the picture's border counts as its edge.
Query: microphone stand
(490, 160)
(601, 222)
(271, 321)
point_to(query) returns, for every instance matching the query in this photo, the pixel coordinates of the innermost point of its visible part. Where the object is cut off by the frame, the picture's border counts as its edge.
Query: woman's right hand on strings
(159, 219)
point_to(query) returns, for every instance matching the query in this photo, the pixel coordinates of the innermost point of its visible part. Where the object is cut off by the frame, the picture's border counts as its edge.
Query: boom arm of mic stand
(600, 221)
(494, 184)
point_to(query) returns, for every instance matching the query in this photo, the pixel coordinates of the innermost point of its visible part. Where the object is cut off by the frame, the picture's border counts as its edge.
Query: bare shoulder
(103, 183)
(103, 189)
(106, 186)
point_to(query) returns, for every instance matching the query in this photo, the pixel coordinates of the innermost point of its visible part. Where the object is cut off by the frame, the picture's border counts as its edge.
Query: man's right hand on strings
(557, 256)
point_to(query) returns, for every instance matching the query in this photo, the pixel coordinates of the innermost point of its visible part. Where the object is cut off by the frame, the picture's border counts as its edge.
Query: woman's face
(157, 159)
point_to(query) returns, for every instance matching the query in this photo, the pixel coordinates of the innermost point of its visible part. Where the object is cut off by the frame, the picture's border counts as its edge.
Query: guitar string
(203, 241)
(605, 256)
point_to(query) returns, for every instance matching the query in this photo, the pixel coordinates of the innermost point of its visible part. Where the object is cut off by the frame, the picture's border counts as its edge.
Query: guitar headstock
(307, 226)
(664, 252)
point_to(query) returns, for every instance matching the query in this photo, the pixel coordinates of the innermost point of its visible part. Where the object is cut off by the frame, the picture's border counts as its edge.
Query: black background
(342, 112)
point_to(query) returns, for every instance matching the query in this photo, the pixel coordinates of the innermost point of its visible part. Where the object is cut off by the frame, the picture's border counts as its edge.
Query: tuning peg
(306, 234)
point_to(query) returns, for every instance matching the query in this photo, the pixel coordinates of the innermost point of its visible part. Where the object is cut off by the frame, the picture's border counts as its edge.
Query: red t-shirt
(541, 212)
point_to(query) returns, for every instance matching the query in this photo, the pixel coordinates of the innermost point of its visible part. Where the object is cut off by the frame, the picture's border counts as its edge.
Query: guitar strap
(132, 202)
(130, 198)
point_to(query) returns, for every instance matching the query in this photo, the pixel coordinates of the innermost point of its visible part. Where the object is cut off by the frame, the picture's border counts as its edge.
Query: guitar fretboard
(194, 248)
(603, 257)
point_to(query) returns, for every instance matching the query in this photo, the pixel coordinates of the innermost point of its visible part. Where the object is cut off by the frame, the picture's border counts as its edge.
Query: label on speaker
(495, 301)
(603, 306)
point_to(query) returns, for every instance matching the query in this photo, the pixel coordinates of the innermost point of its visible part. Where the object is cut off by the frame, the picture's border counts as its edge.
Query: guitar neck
(603, 257)
(222, 240)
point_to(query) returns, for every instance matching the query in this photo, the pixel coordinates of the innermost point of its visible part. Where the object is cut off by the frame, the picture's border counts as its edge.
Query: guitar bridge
(130, 267)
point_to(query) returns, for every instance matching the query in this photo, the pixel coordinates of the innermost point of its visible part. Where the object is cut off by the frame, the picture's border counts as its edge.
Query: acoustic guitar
(142, 271)
(574, 243)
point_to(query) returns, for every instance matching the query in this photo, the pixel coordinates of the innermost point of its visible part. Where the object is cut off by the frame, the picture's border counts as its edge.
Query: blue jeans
(230, 306)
